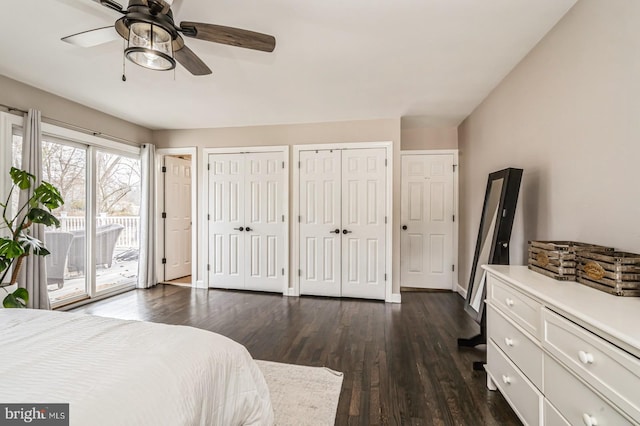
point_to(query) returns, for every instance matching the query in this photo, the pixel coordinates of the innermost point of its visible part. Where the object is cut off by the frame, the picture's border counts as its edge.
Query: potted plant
(16, 243)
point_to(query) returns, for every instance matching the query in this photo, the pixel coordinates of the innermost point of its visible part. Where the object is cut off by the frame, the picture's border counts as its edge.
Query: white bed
(116, 372)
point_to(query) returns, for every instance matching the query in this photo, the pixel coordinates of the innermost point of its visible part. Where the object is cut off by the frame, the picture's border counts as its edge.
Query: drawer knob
(506, 379)
(509, 302)
(589, 420)
(585, 357)
(508, 341)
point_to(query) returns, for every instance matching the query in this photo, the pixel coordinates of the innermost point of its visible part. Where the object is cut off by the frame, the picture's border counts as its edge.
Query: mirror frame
(499, 251)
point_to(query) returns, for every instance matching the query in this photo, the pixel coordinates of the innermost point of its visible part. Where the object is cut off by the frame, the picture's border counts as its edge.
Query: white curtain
(33, 275)
(147, 268)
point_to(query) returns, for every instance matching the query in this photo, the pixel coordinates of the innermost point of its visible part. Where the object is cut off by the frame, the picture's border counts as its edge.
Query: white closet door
(320, 216)
(226, 210)
(426, 245)
(363, 220)
(264, 222)
(177, 242)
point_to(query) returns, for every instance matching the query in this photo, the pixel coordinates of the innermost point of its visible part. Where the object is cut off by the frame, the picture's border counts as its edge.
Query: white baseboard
(200, 284)
(290, 292)
(461, 291)
(395, 298)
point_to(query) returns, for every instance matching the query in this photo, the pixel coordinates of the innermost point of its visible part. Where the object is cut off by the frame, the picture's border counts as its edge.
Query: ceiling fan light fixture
(150, 46)
(154, 41)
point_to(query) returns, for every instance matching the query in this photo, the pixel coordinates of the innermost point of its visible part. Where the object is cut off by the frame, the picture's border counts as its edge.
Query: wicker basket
(558, 259)
(614, 272)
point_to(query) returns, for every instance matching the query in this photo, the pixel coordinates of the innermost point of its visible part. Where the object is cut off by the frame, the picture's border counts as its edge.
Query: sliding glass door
(117, 229)
(64, 165)
(95, 250)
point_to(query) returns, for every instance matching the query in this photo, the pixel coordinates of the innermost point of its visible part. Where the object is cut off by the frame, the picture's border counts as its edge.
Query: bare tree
(64, 166)
(118, 180)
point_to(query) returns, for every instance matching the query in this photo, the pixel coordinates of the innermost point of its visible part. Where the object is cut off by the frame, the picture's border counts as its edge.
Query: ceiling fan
(154, 41)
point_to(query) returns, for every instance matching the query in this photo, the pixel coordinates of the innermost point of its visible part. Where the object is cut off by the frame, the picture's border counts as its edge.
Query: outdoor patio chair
(106, 237)
(58, 244)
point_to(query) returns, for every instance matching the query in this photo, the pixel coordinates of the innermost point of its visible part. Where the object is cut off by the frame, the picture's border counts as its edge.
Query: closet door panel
(320, 217)
(264, 221)
(363, 219)
(226, 215)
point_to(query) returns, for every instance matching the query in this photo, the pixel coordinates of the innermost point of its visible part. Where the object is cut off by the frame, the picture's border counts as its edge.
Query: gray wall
(569, 115)
(23, 96)
(421, 133)
(385, 130)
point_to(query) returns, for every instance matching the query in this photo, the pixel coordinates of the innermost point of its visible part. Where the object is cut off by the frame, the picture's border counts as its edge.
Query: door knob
(248, 229)
(344, 231)
(336, 231)
(239, 229)
(404, 227)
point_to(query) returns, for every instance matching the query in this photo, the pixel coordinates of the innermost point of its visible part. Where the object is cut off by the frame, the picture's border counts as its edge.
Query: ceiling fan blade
(111, 4)
(92, 37)
(229, 35)
(191, 61)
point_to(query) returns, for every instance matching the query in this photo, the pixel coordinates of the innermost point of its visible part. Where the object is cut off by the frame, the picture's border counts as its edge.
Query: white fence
(128, 237)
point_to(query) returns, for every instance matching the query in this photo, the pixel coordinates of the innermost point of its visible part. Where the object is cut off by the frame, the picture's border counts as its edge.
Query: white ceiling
(334, 60)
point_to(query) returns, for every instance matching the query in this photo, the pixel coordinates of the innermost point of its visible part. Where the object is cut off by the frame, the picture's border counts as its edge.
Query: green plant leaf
(45, 198)
(10, 249)
(17, 299)
(10, 301)
(33, 245)
(21, 178)
(38, 215)
(48, 195)
(5, 262)
(23, 294)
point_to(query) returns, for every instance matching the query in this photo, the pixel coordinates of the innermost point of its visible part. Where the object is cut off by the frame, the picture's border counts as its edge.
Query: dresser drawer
(610, 370)
(524, 353)
(521, 394)
(552, 417)
(524, 310)
(576, 401)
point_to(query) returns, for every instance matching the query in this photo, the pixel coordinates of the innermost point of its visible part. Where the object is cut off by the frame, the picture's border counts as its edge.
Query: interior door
(264, 222)
(320, 222)
(363, 223)
(426, 212)
(177, 244)
(226, 221)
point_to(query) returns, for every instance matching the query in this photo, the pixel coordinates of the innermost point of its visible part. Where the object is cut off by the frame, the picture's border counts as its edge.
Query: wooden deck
(119, 275)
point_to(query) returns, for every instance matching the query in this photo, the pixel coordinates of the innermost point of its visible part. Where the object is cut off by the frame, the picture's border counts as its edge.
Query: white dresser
(562, 353)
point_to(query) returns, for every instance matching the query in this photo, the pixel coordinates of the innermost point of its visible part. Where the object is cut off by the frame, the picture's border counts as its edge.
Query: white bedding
(116, 372)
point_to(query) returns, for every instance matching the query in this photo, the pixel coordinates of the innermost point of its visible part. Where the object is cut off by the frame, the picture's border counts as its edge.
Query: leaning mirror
(492, 246)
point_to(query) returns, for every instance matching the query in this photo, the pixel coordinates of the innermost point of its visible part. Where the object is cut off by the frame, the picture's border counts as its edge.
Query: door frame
(284, 149)
(295, 242)
(160, 252)
(455, 286)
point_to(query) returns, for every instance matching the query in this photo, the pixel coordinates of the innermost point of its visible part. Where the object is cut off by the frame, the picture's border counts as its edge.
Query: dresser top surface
(615, 318)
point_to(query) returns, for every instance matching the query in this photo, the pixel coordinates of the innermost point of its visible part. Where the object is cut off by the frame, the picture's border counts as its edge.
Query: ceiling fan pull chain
(124, 77)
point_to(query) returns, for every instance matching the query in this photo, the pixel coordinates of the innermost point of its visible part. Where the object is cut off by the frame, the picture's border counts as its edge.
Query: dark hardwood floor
(401, 363)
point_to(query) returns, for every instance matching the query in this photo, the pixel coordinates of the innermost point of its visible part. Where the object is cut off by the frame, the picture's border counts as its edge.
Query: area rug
(302, 395)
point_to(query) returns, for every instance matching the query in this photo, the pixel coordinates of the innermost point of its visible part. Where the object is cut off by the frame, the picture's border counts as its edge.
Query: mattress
(117, 372)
